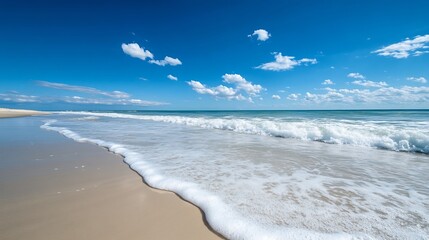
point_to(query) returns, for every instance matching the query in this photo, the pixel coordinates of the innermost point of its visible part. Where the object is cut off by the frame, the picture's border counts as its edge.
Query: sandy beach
(8, 113)
(54, 188)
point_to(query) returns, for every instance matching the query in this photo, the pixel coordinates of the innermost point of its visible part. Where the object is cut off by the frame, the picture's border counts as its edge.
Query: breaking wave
(376, 134)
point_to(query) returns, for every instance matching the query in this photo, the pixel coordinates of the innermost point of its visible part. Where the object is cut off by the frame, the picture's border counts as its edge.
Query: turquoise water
(278, 174)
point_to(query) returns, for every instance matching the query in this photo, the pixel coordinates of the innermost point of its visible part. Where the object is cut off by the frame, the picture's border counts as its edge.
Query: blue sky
(214, 55)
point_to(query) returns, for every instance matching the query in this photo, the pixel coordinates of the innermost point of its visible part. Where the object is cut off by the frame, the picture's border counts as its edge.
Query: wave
(382, 135)
(219, 215)
(89, 118)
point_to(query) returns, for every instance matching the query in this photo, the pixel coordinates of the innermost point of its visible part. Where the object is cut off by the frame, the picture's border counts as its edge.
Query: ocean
(360, 174)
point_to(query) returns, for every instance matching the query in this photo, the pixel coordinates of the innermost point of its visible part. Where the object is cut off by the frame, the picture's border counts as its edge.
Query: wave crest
(360, 133)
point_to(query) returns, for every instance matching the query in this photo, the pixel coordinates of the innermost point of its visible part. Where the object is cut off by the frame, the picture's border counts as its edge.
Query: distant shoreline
(10, 113)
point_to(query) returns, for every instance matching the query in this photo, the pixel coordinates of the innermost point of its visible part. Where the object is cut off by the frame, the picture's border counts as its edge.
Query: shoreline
(12, 113)
(220, 236)
(56, 188)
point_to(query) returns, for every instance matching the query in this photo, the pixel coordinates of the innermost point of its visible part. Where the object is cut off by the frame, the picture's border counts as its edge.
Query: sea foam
(377, 134)
(219, 215)
(253, 186)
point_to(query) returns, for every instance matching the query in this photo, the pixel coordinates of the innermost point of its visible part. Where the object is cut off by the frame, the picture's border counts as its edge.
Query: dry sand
(8, 113)
(54, 188)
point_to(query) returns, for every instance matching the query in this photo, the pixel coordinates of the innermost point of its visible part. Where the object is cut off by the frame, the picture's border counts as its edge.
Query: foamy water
(398, 134)
(252, 185)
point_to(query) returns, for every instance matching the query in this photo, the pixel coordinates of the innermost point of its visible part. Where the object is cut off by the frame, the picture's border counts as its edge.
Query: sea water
(278, 174)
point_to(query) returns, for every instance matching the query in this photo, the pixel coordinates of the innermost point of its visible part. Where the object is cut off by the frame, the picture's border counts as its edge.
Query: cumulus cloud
(328, 82)
(283, 63)
(367, 83)
(293, 96)
(276, 97)
(134, 50)
(311, 97)
(361, 81)
(62, 86)
(409, 47)
(220, 91)
(241, 85)
(417, 79)
(380, 95)
(355, 75)
(167, 61)
(18, 98)
(171, 77)
(262, 34)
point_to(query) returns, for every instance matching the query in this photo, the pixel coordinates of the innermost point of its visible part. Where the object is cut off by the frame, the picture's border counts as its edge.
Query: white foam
(89, 118)
(219, 214)
(256, 187)
(408, 138)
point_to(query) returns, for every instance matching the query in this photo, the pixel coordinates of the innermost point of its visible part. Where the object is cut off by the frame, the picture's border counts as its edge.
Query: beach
(55, 188)
(200, 120)
(8, 113)
(277, 174)
(243, 174)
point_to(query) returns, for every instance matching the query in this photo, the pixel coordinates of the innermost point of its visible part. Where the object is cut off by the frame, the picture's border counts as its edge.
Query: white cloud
(18, 98)
(307, 61)
(414, 47)
(283, 63)
(113, 98)
(167, 61)
(293, 96)
(367, 83)
(171, 77)
(200, 88)
(143, 102)
(419, 53)
(417, 79)
(276, 97)
(262, 34)
(225, 91)
(242, 84)
(134, 50)
(380, 95)
(355, 75)
(62, 86)
(110, 101)
(311, 97)
(221, 91)
(328, 82)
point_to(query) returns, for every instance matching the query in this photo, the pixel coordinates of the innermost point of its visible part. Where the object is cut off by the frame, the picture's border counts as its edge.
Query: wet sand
(54, 188)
